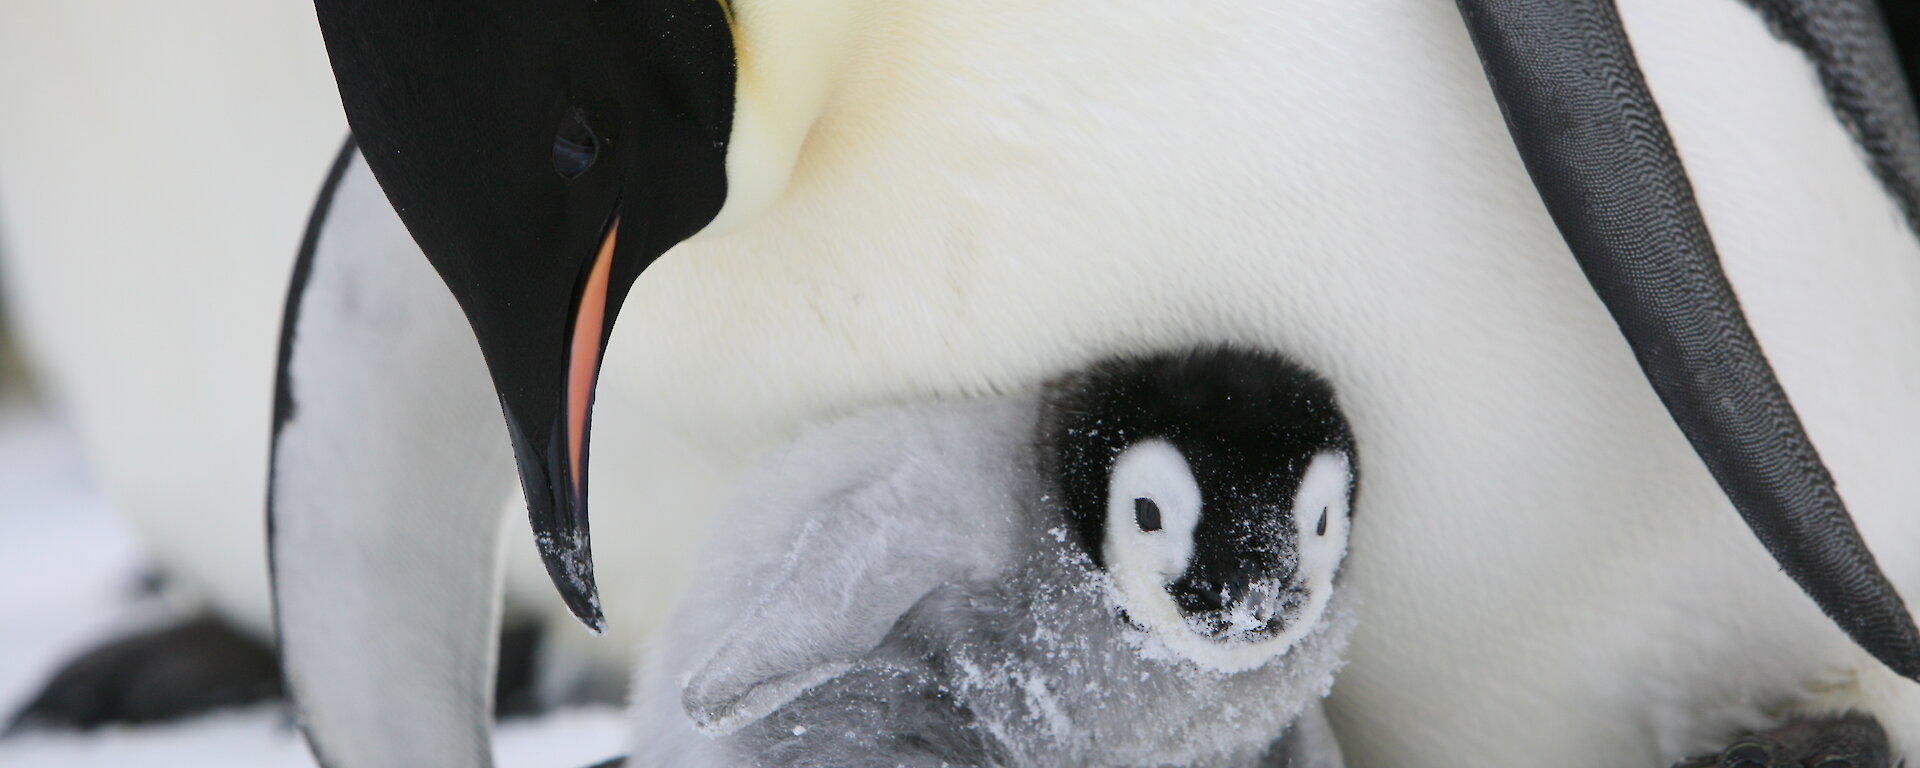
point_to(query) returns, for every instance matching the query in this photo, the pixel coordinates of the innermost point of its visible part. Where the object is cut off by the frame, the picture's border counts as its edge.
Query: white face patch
(1153, 478)
(1142, 563)
(1322, 511)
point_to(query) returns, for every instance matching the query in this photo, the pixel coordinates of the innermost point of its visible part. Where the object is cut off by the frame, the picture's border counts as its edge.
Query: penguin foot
(1845, 741)
(182, 669)
(515, 691)
(204, 664)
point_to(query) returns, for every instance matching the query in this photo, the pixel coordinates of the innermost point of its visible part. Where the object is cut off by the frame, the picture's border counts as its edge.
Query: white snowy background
(69, 578)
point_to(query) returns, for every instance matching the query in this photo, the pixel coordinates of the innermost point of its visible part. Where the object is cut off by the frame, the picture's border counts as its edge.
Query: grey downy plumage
(907, 587)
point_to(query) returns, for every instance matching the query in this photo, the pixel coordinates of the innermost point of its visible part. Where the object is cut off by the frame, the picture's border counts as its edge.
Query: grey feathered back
(897, 589)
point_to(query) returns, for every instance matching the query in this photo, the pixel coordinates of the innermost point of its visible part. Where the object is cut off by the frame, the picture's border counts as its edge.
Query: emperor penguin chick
(1134, 566)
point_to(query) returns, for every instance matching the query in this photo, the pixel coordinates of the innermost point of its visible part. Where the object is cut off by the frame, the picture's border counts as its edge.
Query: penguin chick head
(1214, 488)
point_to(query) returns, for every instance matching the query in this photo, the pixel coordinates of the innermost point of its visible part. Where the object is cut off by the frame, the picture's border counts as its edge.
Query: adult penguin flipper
(385, 430)
(1593, 141)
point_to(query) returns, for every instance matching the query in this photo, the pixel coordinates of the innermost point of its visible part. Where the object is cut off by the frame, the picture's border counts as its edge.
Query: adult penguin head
(543, 154)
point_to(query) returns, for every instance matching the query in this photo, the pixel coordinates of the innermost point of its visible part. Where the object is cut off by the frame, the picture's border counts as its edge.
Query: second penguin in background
(1135, 566)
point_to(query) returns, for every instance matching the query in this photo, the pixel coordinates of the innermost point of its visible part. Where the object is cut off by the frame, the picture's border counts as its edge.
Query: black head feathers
(1240, 417)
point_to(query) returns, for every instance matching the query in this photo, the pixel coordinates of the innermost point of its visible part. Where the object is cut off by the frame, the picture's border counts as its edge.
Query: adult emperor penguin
(848, 202)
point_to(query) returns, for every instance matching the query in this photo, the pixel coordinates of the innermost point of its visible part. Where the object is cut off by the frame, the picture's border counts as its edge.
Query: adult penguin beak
(550, 433)
(542, 158)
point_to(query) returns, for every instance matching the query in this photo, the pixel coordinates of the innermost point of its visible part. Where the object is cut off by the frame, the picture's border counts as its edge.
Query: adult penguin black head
(542, 154)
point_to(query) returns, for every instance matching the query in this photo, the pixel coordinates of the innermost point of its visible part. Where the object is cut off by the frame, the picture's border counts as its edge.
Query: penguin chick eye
(1146, 514)
(1320, 529)
(575, 147)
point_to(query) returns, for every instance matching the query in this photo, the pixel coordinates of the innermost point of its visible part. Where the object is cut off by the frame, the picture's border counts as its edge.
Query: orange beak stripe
(583, 360)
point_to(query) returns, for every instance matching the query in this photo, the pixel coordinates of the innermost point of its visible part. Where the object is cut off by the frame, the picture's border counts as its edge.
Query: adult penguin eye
(1146, 514)
(574, 146)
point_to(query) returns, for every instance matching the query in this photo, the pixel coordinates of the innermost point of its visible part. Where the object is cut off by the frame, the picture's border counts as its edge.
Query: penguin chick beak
(553, 468)
(1241, 607)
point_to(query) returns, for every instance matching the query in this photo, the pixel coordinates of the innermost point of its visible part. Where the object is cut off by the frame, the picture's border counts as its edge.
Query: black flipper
(1838, 741)
(1902, 18)
(1848, 43)
(1593, 141)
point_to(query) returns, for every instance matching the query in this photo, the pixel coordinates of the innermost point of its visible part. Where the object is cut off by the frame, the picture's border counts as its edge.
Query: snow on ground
(68, 576)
